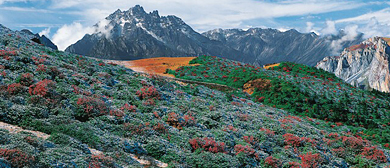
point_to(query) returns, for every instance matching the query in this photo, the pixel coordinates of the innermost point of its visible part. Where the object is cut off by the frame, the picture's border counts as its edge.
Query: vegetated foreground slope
(81, 103)
(302, 90)
(157, 65)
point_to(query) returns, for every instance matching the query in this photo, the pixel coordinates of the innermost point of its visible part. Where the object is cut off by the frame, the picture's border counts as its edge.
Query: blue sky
(66, 21)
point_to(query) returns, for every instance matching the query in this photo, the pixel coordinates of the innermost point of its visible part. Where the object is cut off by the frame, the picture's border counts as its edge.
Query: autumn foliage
(207, 144)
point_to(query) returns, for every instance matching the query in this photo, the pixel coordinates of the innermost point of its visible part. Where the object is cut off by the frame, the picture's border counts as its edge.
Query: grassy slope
(84, 103)
(303, 91)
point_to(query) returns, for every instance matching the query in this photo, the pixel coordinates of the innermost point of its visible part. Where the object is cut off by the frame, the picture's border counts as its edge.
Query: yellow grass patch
(261, 84)
(157, 65)
(268, 66)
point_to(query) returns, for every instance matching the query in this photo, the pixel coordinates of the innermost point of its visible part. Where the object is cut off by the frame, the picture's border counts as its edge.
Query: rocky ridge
(365, 65)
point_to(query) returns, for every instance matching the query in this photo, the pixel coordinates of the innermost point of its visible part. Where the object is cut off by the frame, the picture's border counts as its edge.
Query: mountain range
(136, 34)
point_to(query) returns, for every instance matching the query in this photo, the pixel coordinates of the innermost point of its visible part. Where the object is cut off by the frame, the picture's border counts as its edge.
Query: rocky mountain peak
(137, 9)
(364, 65)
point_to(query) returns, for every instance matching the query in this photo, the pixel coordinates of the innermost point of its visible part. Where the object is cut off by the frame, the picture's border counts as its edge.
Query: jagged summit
(365, 65)
(135, 34)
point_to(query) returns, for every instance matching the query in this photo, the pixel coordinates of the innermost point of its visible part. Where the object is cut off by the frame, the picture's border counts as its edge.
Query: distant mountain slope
(271, 45)
(365, 65)
(41, 39)
(28, 34)
(135, 34)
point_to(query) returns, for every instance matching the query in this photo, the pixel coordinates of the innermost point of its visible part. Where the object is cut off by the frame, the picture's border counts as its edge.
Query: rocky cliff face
(365, 65)
(135, 34)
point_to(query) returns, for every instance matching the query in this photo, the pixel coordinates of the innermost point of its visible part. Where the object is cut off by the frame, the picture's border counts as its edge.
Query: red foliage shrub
(375, 154)
(273, 162)
(354, 143)
(98, 161)
(261, 99)
(294, 165)
(291, 139)
(129, 108)
(43, 88)
(387, 145)
(339, 152)
(188, 120)
(148, 92)
(173, 120)
(207, 144)
(91, 107)
(230, 127)
(268, 131)
(26, 79)
(310, 160)
(249, 139)
(245, 149)
(16, 157)
(8, 53)
(117, 113)
(14, 88)
(41, 68)
(243, 117)
(160, 128)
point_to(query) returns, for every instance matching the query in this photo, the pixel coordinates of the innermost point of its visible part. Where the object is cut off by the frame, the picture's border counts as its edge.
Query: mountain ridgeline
(135, 34)
(271, 45)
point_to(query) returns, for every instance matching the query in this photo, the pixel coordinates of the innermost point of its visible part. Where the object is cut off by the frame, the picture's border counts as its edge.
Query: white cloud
(311, 28)
(45, 32)
(371, 24)
(12, 1)
(206, 14)
(283, 29)
(19, 9)
(330, 28)
(350, 34)
(69, 34)
(382, 16)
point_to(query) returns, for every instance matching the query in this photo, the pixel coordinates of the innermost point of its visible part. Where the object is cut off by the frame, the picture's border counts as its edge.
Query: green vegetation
(301, 90)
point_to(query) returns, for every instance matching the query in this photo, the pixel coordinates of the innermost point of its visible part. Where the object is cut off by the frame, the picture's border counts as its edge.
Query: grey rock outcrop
(365, 65)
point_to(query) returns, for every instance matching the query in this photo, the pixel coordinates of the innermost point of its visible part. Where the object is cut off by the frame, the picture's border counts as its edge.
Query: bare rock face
(365, 65)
